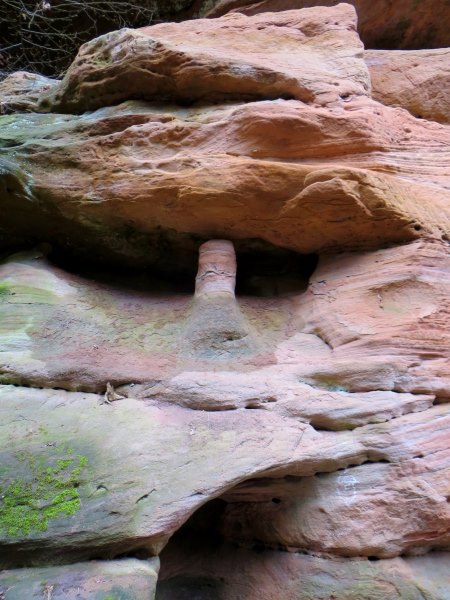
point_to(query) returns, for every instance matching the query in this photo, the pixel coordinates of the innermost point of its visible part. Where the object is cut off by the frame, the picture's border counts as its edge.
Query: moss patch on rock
(4, 290)
(49, 490)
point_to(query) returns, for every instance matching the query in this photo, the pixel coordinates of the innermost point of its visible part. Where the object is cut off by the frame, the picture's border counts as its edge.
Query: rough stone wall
(167, 436)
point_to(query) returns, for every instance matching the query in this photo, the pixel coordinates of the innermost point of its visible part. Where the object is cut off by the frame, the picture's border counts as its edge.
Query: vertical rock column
(216, 274)
(216, 329)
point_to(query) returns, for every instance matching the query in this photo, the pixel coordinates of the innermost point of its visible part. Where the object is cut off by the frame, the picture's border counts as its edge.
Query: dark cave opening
(263, 270)
(184, 569)
(204, 559)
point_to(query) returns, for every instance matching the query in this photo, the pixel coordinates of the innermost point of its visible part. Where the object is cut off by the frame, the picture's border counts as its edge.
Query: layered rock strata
(290, 441)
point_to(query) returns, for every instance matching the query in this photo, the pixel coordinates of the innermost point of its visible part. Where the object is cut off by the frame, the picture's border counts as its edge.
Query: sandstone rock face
(21, 91)
(234, 573)
(276, 426)
(283, 179)
(418, 81)
(220, 60)
(383, 24)
(128, 578)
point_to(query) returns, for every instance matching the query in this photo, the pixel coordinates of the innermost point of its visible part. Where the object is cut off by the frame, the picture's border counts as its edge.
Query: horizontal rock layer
(55, 454)
(220, 60)
(129, 183)
(133, 579)
(231, 574)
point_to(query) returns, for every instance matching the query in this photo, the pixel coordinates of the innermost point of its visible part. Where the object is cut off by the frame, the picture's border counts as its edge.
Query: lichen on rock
(45, 487)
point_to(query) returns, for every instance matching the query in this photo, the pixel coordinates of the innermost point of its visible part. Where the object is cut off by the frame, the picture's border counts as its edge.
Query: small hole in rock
(276, 500)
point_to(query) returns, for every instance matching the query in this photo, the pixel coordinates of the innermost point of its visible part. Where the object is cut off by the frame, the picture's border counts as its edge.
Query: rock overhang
(133, 180)
(218, 60)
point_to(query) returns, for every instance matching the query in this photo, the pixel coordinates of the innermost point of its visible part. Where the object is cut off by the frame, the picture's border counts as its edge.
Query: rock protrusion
(216, 327)
(279, 55)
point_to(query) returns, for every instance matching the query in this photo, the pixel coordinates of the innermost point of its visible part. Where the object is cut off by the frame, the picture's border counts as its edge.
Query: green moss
(4, 290)
(49, 491)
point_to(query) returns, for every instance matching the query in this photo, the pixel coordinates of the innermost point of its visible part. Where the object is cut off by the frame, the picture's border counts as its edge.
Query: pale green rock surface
(127, 579)
(133, 472)
(103, 333)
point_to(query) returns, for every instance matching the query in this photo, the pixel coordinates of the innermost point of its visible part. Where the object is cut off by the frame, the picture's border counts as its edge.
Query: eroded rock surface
(416, 80)
(20, 91)
(220, 60)
(233, 573)
(279, 431)
(383, 24)
(98, 580)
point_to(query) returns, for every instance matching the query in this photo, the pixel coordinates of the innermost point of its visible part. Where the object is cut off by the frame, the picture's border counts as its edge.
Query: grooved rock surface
(233, 573)
(403, 24)
(416, 80)
(20, 91)
(287, 437)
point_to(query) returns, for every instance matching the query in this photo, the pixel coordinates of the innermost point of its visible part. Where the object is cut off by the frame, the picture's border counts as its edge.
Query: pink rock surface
(309, 179)
(416, 80)
(394, 330)
(216, 274)
(381, 24)
(220, 60)
(237, 573)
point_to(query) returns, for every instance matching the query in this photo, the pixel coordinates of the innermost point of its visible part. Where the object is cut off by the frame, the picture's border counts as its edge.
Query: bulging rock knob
(216, 274)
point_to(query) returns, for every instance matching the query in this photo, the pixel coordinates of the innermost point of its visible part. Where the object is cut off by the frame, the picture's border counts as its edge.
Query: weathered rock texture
(220, 60)
(287, 438)
(21, 91)
(416, 80)
(382, 24)
(97, 580)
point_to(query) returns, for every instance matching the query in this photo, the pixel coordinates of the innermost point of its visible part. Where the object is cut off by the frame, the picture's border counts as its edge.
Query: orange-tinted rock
(381, 24)
(383, 314)
(416, 80)
(311, 417)
(237, 57)
(308, 179)
(331, 171)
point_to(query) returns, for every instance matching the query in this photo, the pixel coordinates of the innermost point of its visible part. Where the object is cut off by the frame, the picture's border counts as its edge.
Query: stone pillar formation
(216, 274)
(216, 329)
